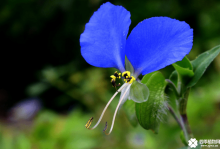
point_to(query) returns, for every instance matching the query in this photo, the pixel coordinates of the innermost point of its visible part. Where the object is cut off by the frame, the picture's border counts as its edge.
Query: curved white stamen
(103, 112)
(117, 110)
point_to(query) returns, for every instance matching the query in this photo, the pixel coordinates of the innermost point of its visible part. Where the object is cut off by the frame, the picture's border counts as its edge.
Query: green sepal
(201, 63)
(151, 112)
(184, 67)
(128, 66)
(138, 92)
(184, 71)
(174, 78)
(129, 108)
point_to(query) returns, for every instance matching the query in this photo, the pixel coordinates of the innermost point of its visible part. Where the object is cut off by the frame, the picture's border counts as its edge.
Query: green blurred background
(48, 92)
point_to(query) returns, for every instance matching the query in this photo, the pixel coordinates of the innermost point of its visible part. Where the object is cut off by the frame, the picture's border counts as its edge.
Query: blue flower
(153, 44)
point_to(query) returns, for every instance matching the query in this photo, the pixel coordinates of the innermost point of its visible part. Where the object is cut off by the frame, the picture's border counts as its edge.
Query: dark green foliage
(201, 63)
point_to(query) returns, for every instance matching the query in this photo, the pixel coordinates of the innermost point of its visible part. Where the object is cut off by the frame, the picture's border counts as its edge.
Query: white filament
(118, 108)
(103, 112)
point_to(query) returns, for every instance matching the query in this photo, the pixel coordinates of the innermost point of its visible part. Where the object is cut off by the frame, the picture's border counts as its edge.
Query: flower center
(126, 75)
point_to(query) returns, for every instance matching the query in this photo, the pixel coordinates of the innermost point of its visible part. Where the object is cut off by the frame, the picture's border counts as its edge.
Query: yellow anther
(113, 80)
(132, 79)
(88, 124)
(113, 77)
(127, 77)
(126, 73)
(117, 75)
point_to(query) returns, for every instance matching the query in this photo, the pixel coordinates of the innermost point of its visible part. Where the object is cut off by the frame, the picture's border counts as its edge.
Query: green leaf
(129, 108)
(151, 112)
(201, 63)
(138, 92)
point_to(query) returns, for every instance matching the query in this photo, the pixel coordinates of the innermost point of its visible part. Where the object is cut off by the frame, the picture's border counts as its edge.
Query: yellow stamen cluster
(117, 75)
(113, 80)
(127, 77)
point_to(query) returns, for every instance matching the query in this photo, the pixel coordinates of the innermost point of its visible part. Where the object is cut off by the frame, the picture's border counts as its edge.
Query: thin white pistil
(103, 112)
(117, 110)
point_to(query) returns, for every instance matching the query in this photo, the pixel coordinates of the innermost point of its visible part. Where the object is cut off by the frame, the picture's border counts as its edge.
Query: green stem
(182, 110)
(185, 131)
(175, 116)
(182, 98)
(179, 121)
(172, 85)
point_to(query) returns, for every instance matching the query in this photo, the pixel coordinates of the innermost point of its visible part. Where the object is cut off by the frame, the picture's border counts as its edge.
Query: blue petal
(103, 41)
(157, 42)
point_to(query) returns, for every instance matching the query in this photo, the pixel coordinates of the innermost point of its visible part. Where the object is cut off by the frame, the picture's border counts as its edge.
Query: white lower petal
(126, 96)
(120, 101)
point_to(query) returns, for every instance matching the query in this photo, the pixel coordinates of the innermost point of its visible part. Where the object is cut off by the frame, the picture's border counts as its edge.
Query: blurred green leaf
(201, 63)
(37, 89)
(129, 108)
(187, 147)
(23, 142)
(74, 127)
(7, 141)
(44, 124)
(138, 92)
(151, 112)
